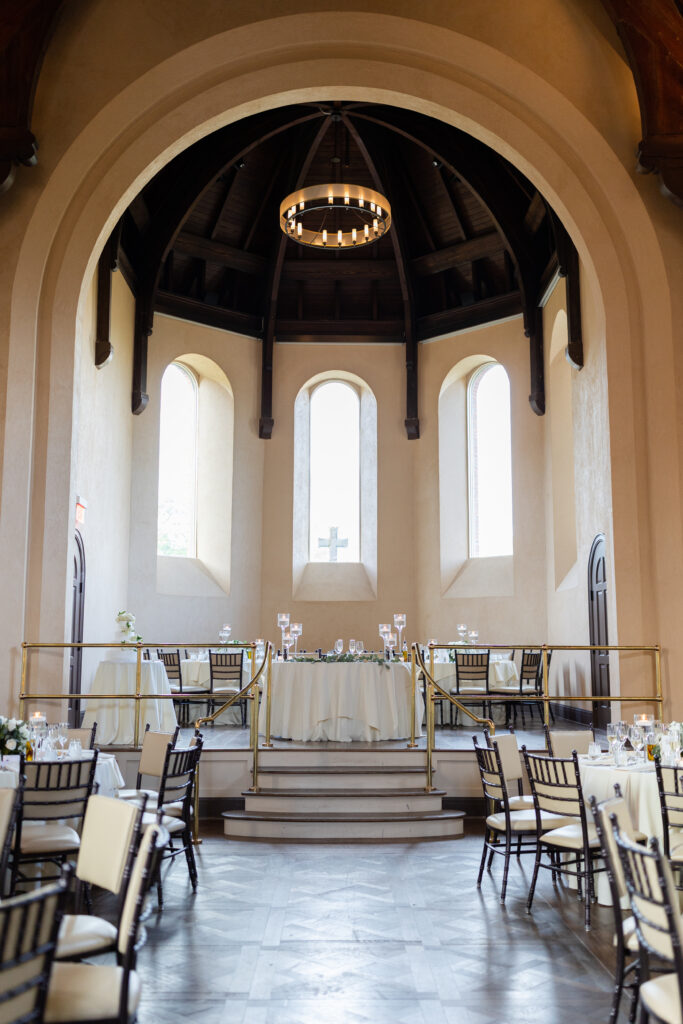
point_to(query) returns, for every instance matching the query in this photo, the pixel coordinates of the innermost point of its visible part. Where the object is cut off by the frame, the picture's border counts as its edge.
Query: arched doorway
(77, 609)
(597, 619)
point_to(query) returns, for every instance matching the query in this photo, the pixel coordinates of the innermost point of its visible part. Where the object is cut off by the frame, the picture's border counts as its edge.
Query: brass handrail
(250, 691)
(433, 686)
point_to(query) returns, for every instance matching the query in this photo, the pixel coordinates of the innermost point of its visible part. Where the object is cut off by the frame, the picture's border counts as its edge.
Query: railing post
(138, 705)
(546, 705)
(658, 677)
(269, 683)
(413, 701)
(22, 690)
(254, 737)
(430, 736)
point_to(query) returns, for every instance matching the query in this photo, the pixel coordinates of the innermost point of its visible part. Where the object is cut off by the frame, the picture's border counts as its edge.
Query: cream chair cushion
(521, 803)
(525, 821)
(136, 794)
(571, 836)
(661, 997)
(48, 837)
(80, 934)
(676, 844)
(87, 992)
(172, 824)
(106, 841)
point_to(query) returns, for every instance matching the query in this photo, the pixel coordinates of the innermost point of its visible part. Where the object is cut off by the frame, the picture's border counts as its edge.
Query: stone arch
(442, 73)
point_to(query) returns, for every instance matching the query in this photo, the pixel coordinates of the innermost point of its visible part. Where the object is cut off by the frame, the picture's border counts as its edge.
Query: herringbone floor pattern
(383, 934)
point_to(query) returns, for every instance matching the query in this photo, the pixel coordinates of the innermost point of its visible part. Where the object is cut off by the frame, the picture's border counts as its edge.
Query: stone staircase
(355, 794)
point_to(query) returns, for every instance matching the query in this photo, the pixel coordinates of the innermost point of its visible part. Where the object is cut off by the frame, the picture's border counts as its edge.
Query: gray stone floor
(296, 934)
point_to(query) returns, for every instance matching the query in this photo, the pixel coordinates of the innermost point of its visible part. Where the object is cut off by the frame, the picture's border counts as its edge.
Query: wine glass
(352, 646)
(637, 738)
(462, 631)
(224, 633)
(400, 624)
(283, 622)
(296, 629)
(612, 737)
(360, 647)
(473, 635)
(338, 646)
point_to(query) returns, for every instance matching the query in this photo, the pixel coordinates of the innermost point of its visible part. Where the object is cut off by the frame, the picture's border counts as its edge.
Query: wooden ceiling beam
(374, 162)
(213, 316)
(218, 252)
(652, 35)
(490, 244)
(345, 328)
(338, 269)
(499, 307)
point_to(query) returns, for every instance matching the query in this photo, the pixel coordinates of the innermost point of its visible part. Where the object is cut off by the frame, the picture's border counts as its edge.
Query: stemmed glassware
(391, 643)
(283, 623)
(224, 633)
(352, 646)
(400, 624)
(462, 631)
(339, 646)
(360, 647)
(473, 635)
(612, 738)
(296, 629)
(637, 738)
(62, 729)
(287, 642)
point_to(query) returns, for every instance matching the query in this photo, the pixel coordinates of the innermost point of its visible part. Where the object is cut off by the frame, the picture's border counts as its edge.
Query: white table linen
(342, 701)
(502, 672)
(116, 719)
(107, 772)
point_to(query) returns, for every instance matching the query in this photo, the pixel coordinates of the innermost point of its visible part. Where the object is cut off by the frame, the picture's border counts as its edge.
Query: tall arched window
(489, 462)
(334, 467)
(177, 522)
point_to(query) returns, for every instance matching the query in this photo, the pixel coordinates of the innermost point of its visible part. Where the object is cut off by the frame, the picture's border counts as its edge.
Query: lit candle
(353, 236)
(38, 718)
(339, 237)
(324, 236)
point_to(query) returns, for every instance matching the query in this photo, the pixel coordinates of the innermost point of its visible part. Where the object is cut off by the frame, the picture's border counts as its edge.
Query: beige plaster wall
(518, 615)
(187, 604)
(103, 468)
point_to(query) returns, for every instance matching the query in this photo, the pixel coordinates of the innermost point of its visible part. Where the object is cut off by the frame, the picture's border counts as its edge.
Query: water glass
(594, 750)
(75, 749)
(339, 646)
(360, 647)
(637, 738)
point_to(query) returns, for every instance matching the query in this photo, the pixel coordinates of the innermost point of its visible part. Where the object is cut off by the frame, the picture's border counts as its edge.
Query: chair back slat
(654, 901)
(28, 937)
(472, 668)
(556, 785)
(225, 666)
(528, 672)
(179, 775)
(670, 786)
(171, 660)
(491, 773)
(154, 838)
(57, 789)
(11, 801)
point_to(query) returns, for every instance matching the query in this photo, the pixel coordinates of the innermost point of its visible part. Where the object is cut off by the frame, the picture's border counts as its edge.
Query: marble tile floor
(296, 934)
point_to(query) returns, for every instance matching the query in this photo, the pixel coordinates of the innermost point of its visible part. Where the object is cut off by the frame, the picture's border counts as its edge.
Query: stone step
(351, 755)
(342, 801)
(342, 777)
(320, 828)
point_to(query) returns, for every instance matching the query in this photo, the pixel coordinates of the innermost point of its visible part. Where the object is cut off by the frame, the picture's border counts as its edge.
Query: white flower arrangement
(127, 628)
(14, 735)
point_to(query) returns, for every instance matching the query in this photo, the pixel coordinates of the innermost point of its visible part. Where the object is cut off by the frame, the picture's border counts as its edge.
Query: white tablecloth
(343, 701)
(638, 788)
(501, 672)
(198, 673)
(116, 719)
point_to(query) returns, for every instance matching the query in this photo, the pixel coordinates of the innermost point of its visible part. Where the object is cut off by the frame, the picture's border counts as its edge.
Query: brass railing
(139, 696)
(435, 692)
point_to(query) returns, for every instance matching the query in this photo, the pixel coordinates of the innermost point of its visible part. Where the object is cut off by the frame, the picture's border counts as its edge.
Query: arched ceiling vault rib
(266, 421)
(174, 195)
(412, 422)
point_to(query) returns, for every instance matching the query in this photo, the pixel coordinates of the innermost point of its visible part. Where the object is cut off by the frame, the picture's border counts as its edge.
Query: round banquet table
(502, 671)
(107, 773)
(342, 701)
(116, 719)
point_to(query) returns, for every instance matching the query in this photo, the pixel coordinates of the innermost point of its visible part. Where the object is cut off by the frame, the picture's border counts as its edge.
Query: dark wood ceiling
(472, 241)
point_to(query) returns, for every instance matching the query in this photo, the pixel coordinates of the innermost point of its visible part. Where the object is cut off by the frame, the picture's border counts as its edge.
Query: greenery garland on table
(331, 659)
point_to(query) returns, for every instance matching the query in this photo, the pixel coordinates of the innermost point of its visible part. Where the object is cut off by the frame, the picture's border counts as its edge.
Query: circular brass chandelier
(335, 216)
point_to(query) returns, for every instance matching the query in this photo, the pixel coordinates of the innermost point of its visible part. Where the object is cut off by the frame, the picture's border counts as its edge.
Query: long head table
(342, 701)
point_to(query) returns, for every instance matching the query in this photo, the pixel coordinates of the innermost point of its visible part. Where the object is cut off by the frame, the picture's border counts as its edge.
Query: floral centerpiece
(333, 659)
(14, 735)
(126, 622)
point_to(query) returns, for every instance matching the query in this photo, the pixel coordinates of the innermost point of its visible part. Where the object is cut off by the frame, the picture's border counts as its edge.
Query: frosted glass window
(334, 468)
(489, 462)
(177, 521)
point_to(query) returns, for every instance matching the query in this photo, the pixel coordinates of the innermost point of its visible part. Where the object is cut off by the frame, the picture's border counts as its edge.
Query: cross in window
(333, 543)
